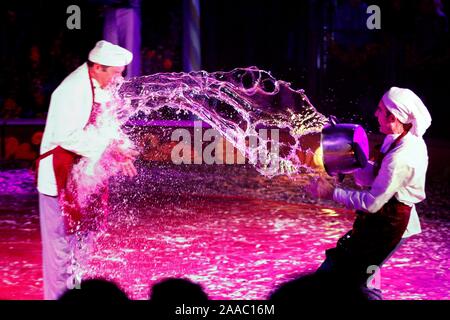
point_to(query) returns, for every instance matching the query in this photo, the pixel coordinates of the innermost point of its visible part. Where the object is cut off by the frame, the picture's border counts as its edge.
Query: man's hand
(320, 188)
(125, 158)
(126, 161)
(128, 168)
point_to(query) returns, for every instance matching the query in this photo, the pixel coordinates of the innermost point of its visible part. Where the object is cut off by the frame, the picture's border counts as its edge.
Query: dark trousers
(371, 242)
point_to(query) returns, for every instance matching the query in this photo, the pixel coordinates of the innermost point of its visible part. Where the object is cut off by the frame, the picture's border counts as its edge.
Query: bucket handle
(333, 120)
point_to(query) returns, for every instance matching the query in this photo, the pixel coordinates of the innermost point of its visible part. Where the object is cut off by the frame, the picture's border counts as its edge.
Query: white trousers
(56, 248)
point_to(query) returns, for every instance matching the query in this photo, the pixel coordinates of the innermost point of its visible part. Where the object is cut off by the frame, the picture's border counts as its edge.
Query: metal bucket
(345, 148)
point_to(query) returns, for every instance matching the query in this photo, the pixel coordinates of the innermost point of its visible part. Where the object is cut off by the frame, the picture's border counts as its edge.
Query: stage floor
(229, 229)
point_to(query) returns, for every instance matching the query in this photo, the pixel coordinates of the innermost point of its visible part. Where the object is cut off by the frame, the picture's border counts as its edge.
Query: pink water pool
(225, 227)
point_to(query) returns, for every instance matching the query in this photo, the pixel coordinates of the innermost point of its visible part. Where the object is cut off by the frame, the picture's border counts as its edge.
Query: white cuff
(339, 195)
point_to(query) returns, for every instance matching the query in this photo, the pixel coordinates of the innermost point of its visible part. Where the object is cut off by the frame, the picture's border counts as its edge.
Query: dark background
(316, 45)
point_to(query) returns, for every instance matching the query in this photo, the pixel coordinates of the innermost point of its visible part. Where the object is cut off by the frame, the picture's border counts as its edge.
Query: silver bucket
(345, 148)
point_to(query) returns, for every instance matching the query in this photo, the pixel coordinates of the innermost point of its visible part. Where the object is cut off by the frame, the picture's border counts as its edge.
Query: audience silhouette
(178, 290)
(98, 290)
(318, 287)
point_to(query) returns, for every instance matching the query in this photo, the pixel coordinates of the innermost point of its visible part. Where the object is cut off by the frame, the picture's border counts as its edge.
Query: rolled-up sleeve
(393, 174)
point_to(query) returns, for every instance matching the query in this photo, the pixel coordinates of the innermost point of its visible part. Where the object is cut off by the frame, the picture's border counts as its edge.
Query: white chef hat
(108, 54)
(407, 107)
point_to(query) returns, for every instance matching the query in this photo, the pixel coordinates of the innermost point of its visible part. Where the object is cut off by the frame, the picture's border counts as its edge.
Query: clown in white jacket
(71, 133)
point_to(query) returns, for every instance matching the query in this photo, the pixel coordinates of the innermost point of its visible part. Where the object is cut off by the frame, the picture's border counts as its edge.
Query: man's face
(106, 75)
(385, 118)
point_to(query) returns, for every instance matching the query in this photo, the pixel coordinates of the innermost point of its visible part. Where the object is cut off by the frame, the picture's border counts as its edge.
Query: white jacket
(402, 174)
(68, 114)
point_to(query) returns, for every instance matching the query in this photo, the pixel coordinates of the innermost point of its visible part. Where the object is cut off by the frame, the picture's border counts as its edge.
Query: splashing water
(235, 103)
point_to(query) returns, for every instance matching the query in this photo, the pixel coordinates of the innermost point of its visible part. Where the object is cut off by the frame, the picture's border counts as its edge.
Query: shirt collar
(95, 84)
(388, 141)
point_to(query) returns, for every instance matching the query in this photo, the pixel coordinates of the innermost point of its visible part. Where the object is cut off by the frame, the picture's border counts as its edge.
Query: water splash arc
(236, 103)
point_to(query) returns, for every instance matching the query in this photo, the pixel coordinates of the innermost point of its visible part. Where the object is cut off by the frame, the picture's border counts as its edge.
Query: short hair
(91, 64)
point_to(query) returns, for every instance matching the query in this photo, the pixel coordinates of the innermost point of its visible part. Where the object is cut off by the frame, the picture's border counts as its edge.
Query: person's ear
(96, 68)
(391, 118)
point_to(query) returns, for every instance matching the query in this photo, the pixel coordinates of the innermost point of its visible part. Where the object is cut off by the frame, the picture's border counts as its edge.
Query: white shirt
(68, 114)
(402, 174)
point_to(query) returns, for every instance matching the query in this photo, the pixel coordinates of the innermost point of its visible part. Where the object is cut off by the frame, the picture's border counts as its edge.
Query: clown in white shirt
(73, 136)
(385, 212)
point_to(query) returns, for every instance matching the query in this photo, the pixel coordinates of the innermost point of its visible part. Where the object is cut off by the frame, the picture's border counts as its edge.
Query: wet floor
(236, 233)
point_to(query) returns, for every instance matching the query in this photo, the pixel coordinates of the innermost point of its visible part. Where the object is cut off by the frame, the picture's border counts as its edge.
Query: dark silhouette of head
(319, 287)
(95, 290)
(177, 290)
